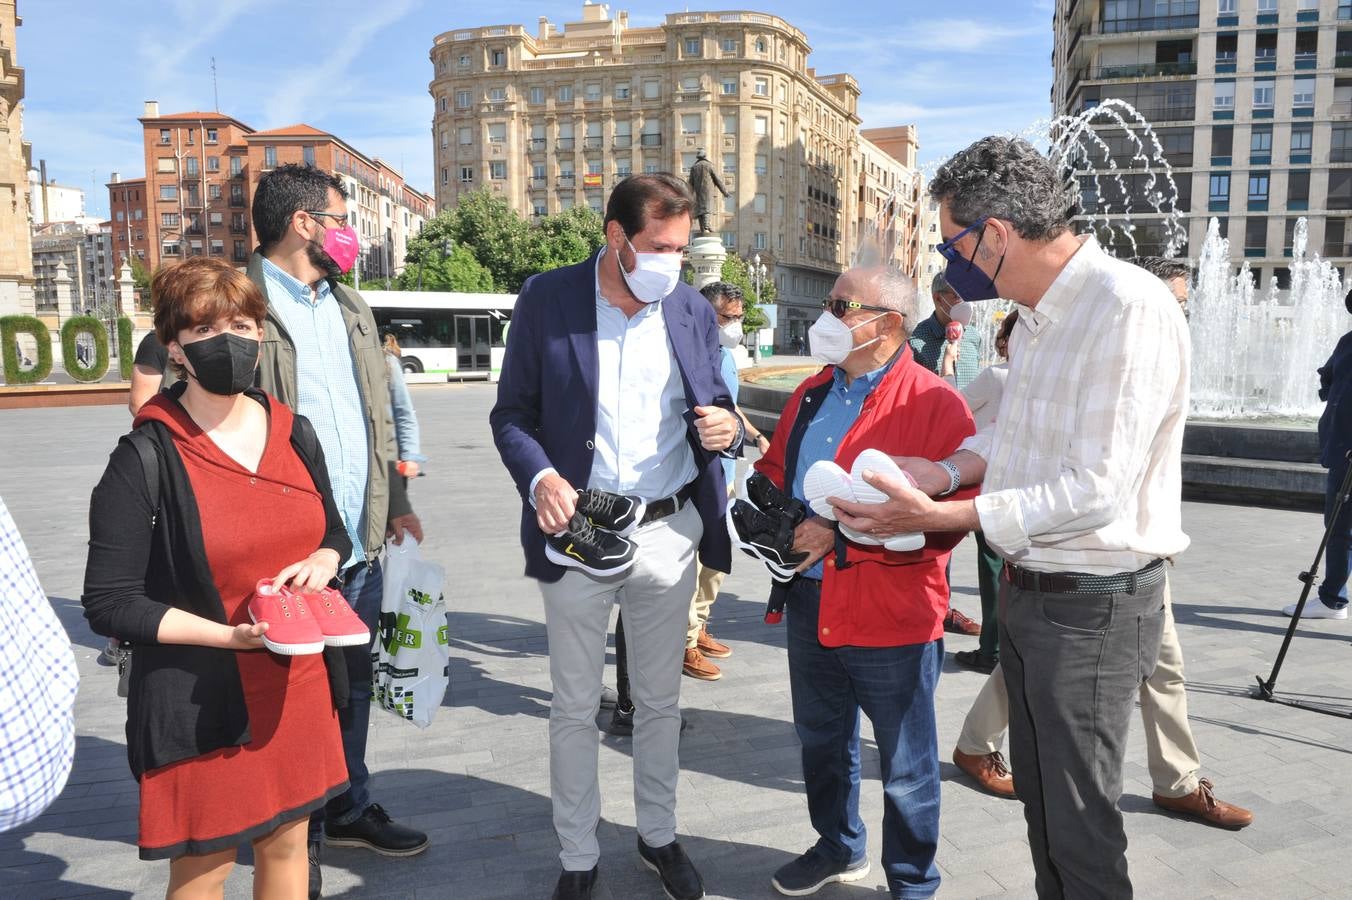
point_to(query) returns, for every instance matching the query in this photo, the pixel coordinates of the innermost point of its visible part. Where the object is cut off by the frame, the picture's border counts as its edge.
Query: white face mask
(730, 335)
(654, 276)
(832, 340)
(961, 312)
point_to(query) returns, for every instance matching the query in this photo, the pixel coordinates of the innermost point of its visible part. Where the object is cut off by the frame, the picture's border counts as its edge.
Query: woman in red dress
(231, 744)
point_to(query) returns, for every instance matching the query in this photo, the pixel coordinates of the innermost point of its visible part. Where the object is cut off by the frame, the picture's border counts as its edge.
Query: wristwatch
(954, 478)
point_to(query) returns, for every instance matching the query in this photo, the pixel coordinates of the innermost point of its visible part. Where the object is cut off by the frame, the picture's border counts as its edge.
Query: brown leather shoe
(696, 666)
(956, 623)
(1202, 805)
(712, 648)
(988, 771)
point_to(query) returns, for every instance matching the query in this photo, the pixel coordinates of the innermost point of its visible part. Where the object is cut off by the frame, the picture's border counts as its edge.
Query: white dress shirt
(1084, 460)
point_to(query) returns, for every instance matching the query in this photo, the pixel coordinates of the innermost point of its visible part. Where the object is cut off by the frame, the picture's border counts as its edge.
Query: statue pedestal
(706, 254)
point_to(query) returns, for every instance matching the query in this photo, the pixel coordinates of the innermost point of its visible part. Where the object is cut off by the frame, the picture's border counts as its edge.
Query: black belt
(667, 506)
(1080, 583)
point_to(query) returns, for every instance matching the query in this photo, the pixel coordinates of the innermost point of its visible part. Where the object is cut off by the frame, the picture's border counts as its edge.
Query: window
(1264, 91)
(497, 57)
(236, 165)
(237, 195)
(171, 248)
(762, 164)
(1302, 138)
(190, 166)
(591, 91)
(565, 93)
(466, 174)
(652, 89)
(624, 134)
(729, 85)
(1340, 189)
(120, 215)
(537, 172)
(729, 45)
(1227, 49)
(652, 133)
(166, 164)
(1225, 7)
(441, 103)
(169, 220)
(594, 138)
(211, 135)
(1307, 4)
(1265, 47)
(1225, 96)
(497, 170)
(308, 155)
(269, 157)
(538, 206)
(537, 96)
(758, 203)
(760, 45)
(1258, 187)
(565, 141)
(729, 164)
(1267, 6)
(692, 46)
(1218, 192)
(650, 167)
(622, 91)
(1222, 141)
(730, 124)
(762, 87)
(497, 95)
(623, 169)
(566, 171)
(168, 192)
(730, 205)
(213, 163)
(762, 126)
(497, 133)
(691, 123)
(445, 175)
(758, 241)
(729, 239)
(464, 135)
(214, 191)
(463, 61)
(1260, 140)
(1302, 93)
(164, 136)
(462, 99)
(1298, 189)
(1255, 237)
(690, 84)
(217, 247)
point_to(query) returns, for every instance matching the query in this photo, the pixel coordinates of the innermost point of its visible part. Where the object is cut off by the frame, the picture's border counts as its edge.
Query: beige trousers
(1171, 751)
(707, 584)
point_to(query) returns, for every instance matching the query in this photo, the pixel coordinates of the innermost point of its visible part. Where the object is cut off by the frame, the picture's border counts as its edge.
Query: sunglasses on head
(840, 306)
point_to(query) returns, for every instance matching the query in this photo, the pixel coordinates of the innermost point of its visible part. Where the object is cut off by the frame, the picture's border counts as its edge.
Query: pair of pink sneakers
(303, 623)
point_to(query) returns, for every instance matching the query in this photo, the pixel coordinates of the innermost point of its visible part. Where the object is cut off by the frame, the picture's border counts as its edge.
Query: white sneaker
(883, 464)
(823, 480)
(1315, 609)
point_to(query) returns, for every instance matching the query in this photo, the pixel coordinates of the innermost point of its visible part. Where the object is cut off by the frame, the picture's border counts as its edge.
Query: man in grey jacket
(322, 357)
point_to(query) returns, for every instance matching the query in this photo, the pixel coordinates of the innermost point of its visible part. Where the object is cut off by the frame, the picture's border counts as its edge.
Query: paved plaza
(478, 779)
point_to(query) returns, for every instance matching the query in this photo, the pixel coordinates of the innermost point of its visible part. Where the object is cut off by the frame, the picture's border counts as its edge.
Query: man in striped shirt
(1081, 494)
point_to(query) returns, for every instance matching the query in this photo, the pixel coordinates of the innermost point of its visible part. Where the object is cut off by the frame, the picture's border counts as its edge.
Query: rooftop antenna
(215, 93)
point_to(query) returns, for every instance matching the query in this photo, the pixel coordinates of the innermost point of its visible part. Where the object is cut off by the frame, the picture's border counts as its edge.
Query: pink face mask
(342, 246)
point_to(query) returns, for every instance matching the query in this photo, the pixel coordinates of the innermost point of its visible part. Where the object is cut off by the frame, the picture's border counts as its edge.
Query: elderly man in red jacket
(866, 623)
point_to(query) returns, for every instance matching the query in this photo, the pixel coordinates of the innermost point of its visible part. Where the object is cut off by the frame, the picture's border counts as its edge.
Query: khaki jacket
(386, 497)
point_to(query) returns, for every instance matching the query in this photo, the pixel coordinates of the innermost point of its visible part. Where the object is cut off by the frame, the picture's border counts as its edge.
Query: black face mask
(223, 364)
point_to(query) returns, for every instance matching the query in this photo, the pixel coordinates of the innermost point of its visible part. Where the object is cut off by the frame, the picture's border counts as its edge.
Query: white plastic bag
(412, 651)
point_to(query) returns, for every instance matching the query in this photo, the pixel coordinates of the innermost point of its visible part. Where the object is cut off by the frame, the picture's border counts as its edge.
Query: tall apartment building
(555, 119)
(201, 172)
(16, 157)
(85, 251)
(1252, 100)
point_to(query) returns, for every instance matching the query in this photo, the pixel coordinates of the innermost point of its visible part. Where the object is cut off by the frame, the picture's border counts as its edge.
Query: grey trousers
(654, 595)
(1073, 665)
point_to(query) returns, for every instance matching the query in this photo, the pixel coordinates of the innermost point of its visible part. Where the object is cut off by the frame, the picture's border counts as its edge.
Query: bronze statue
(701, 175)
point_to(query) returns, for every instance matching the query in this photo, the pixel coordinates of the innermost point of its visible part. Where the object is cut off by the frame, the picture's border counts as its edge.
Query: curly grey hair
(1006, 178)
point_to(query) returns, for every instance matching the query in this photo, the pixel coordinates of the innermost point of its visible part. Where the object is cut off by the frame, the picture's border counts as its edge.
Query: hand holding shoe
(311, 573)
(555, 503)
(815, 537)
(906, 510)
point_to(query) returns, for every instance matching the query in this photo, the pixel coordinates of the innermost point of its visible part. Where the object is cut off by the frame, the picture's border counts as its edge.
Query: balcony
(651, 140)
(622, 142)
(1149, 23)
(1335, 249)
(1308, 60)
(1168, 114)
(566, 180)
(237, 202)
(564, 143)
(538, 145)
(1340, 155)
(1142, 70)
(593, 143)
(238, 228)
(539, 182)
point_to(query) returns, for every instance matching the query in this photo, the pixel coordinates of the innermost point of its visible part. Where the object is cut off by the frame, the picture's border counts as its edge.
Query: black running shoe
(768, 498)
(591, 549)
(619, 513)
(766, 536)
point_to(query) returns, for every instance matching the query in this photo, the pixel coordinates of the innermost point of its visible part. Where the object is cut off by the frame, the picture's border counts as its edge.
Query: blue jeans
(1338, 553)
(362, 589)
(894, 687)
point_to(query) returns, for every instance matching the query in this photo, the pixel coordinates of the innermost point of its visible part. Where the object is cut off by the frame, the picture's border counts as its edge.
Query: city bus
(443, 333)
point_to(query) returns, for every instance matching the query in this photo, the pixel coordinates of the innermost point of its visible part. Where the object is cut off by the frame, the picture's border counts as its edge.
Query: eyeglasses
(839, 306)
(340, 217)
(728, 320)
(950, 252)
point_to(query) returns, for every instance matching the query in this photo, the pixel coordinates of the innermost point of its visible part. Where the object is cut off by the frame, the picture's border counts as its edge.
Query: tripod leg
(1345, 489)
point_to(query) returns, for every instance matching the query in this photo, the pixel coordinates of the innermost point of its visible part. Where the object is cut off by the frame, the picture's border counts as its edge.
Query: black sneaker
(374, 830)
(621, 721)
(313, 852)
(975, 659)
(591, 549)
(576, 885)
(680, 880)
(770, 499)
(766, 536)
(810, 872)
(619, 513)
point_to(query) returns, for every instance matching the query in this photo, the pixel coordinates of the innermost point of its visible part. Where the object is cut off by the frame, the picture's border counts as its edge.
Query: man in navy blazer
(611, 381)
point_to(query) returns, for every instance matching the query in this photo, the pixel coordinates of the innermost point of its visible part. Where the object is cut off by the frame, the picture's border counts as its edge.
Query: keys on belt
(1081, 583)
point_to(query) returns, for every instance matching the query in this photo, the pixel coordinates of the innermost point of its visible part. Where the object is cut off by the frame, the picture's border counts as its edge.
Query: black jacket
(184, 700)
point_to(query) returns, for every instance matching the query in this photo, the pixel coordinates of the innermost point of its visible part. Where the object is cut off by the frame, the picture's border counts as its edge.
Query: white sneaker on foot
(1315, 609)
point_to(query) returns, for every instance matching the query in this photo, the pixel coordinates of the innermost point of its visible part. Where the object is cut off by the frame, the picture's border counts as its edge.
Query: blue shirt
(728, 369)
(836, 416)
(327, 391)
(640, 444)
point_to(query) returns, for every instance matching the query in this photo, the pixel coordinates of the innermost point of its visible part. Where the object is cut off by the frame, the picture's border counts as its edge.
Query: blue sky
(359, 69)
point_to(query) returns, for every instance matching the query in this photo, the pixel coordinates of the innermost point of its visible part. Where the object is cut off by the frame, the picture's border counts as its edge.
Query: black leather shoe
(312, 850)
(679, 878)
(374, 830)
(975, 659)
(622, 721)
(576, 885)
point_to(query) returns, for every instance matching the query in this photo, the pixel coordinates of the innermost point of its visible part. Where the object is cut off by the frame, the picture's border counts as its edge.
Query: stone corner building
(16, 249)
(555, 119)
